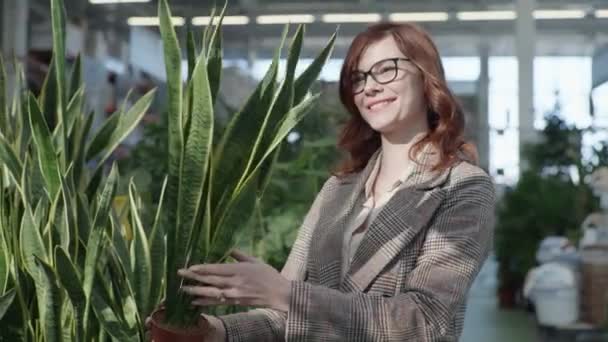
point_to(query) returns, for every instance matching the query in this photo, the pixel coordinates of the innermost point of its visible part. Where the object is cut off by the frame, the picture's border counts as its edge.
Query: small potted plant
(213, 186)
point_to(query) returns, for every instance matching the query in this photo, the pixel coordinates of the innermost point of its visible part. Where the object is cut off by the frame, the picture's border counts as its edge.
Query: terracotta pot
(160, 332)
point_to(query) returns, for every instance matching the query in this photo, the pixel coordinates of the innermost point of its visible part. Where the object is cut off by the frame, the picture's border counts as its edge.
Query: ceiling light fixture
(352, 18)
(486, 15)
(603, 13)
(228, 20)
(559, 14)
(419, 16)
(152, 21)
(286, 19)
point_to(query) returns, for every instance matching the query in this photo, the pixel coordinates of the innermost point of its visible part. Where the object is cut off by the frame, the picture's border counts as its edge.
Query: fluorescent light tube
(228, 20)
(603, 13)
(152, 21)
(486, 15)
(351, 18)
(559, 14)
(419, 16)
(286, 19)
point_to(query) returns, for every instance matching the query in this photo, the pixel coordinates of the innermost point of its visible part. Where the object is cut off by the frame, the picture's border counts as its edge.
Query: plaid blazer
(409, 278)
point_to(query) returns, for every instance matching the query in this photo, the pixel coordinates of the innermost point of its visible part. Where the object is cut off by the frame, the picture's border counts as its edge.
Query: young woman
(395, 237)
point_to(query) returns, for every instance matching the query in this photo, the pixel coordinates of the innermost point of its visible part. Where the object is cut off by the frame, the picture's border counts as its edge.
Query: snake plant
(69, 269)
(212, 186)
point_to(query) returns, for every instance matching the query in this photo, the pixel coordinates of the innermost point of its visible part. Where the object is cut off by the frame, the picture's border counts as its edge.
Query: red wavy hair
(445, 114)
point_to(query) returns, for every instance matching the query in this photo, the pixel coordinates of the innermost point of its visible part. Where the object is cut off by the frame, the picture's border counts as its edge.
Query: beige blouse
(368, 211)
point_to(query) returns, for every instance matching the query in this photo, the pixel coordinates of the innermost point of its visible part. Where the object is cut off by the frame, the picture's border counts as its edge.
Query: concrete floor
(485, 322)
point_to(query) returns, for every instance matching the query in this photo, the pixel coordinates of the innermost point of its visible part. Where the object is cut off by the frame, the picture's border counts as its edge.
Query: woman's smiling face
(394, 100)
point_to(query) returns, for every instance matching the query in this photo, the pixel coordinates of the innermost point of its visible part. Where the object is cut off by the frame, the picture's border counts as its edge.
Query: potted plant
(212, 187)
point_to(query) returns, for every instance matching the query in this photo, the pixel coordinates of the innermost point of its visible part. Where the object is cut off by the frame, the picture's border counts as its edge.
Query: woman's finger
(203, 291)
(213, 302)
(242, 256)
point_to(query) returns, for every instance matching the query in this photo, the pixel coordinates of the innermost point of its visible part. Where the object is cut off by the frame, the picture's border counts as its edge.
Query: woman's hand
(250, 282)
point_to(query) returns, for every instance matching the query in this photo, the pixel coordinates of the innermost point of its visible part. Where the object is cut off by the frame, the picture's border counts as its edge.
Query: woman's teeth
(379, 105)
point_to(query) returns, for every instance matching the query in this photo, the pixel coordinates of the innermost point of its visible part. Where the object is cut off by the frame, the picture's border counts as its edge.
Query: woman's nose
(372, 87)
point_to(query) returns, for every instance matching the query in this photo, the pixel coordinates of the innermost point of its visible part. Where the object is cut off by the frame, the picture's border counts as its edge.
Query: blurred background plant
(550, 198)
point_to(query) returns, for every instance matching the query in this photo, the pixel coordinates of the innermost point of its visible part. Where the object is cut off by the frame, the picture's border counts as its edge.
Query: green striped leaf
(9, 158)
(109, 319)
(47, 158)
(4, 113)
(5, 257)
(282, 102)
(58, 28)
(94, 244)
(140, 256)
(172, 57)
(76, 79)
(49, 301)
(74, 110)
(5, 302)
(111, 138)
(239, 137)
(70, 280)
(214, 57)
(102, 137)
(312, 72)
(30, 242)
(156, 241)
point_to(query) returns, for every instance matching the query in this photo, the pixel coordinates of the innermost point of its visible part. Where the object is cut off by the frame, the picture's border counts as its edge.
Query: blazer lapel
(400, 220)
(326, 247)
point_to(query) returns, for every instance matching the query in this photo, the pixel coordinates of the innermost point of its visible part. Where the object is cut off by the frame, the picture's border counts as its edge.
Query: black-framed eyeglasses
(383, 72)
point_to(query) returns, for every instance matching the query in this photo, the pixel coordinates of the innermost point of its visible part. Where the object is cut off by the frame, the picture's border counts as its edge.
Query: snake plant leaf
(4, 110)
(312, 72)
(59, 56)
(236, 144)
(49, 301)
(30, 240)
(79, 134)
(238, 213)
(76, 79)
(241, 205)
(47, 158)
(5, 301)
(9, 158)
(282, 102)
(192, 180)
(5, 260)
(70, 280)
(128, 122)
(108, 317)
(96, 237)
(48, 95)
(83, 219)
(197, 152)
(191, 51)
(74, 109)
(214, 57)
(102, 137)
(293, 117)
(110, 137)
(172, 57)
(140, 256)
(207, 31)
(156, 241)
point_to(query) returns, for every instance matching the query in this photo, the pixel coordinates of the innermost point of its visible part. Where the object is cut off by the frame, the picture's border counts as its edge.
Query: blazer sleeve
(269, 324)
(457, 242)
